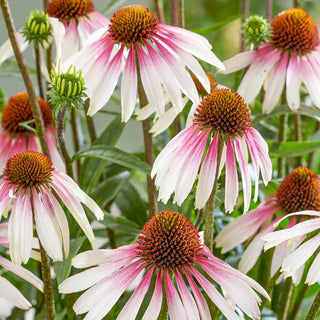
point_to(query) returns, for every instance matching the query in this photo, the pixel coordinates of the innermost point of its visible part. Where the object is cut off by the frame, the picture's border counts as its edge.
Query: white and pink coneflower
(8, 291)
(299, 191)
(168, 249)
(222, 116)
(16, 138)
(80, 20)
(156, 51)
(291, 56)
(32, 187)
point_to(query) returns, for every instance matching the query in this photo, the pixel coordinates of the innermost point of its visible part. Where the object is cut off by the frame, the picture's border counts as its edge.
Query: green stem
(75, 137)
(209, 216)
(269, 287)
(312, 154)
(286, 296)
(298, 301)
(148, 146)
(90, 123)
(314, 308)
(159, 8)
(245, 12)
(61, 141)
(282, 138)
(37, 115)
(38, 69)
(298, 135)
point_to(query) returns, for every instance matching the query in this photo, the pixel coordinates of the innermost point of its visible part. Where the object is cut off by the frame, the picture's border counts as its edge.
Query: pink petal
(231, 188)
(176, 310)
(293, 80)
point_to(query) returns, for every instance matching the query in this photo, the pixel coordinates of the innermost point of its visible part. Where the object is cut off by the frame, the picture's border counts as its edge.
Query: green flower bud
(257, 30)
(66, 89)
(37, 29)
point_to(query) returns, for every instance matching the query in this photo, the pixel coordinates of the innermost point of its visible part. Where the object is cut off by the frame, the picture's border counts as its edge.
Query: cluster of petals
(8, 291)
(160, 57)
(177, 165)
(77, 27)
(12, 142)
(43, 203)
(278, 67)
(113, 271)
(302, 250)
(258, 222)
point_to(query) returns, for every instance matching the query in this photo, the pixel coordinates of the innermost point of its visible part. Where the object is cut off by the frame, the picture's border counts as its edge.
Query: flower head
(289, 57)
(224, 116)
(32, 187)
(79, 19)
(155, 51)
(18, 129)
(169, 248)
(299, 191)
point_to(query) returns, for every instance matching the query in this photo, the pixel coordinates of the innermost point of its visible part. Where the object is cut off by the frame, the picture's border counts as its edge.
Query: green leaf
(115, 155)
(92, 168)
(62, 268)
(215, 27)
(120, 224)
(108, 189)
(291, 149)
(303, 110)
(10, 68)
(131, 205)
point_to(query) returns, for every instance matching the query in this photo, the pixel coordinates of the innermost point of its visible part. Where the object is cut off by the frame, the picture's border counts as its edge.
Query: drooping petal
(246, 182)
(231, 188)
(129, 86)
(256, 74)
(243, 227)
(20, 228)
(274, 238)
(13, 295)
(176, 310)
(154, 306)
(276, 84)
(70, 43)
(314, 271)
(131, 308)
(239, 61)
(22, 273)
(207, 174)
(47, 228)
(215, 296)
(311, 79)
(200, 300)
(187, 299)
(293, 82)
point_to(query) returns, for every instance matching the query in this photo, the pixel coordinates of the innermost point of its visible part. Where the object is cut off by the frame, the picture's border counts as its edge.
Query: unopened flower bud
(66, 89)
(257, 30)
(37, 29)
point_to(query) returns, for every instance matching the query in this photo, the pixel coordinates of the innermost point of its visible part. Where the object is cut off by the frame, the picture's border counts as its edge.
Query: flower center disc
(294, 31)
(18, 109)
(28, 169)
(169, 240)
(67, 9)
(131, 24)
(201, 90)
(224, 110)
(299, 191)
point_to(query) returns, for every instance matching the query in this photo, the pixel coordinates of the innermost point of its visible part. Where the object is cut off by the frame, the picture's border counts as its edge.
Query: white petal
(293, 80)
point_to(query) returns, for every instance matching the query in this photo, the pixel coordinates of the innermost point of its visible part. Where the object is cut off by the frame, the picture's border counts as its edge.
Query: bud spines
(37, 29)
(66, 89)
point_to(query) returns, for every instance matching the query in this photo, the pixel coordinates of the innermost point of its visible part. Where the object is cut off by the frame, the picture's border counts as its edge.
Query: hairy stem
(61, 141)
(314, 308)
(209, 215)
(245, 12)
(269, 10)
(37, 115)
(75, 137)
(282, 138)
(148, 146)
(159, 8)
(90, 123)
(38, 70)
